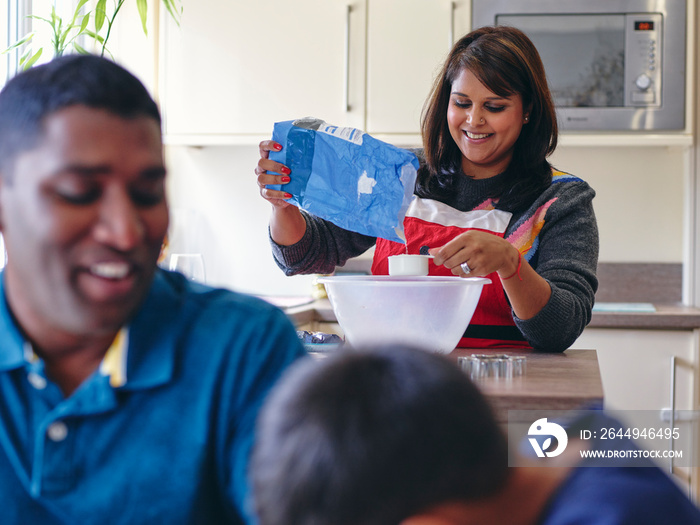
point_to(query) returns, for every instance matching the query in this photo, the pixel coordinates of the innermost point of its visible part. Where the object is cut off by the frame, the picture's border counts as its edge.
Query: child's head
(371, 437)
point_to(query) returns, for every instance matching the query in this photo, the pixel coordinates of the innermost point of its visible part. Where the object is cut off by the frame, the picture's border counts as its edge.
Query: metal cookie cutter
(504, 366)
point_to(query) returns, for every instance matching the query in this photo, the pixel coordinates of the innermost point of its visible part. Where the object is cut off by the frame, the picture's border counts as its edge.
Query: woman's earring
(527, 118)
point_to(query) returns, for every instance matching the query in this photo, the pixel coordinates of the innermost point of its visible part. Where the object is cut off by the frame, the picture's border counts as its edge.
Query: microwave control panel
(643, 59)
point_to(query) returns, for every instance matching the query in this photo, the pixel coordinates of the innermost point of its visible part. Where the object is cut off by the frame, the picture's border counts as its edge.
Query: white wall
(639, 199)
(217, 210)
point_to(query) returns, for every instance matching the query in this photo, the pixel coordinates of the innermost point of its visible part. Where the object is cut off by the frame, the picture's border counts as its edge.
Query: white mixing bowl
(428, 312)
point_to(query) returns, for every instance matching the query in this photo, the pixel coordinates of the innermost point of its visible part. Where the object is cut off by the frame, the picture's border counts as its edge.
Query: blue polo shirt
(168, 441)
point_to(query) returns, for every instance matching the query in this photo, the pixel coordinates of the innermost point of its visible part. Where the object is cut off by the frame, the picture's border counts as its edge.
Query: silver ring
(465, 268)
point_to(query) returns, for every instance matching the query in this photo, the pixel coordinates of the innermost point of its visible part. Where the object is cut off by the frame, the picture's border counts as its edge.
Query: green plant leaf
(58, 39)
(84, 24)
(95, 36)
(143, 13)
(18, 43)
(175, 14)
(100, 13)
(77, 11)
(80, 49)
(29, 63)
(37, 17)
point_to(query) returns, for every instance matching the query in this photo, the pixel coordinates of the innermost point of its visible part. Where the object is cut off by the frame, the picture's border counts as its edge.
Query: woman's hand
(275, 197)
(483, 252)
(287, 225)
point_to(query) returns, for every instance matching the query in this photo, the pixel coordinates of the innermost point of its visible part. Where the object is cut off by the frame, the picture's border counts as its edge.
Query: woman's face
(484, 126)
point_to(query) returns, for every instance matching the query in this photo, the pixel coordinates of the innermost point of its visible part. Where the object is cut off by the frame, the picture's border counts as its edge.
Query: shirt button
(36, 380)
(57, 431)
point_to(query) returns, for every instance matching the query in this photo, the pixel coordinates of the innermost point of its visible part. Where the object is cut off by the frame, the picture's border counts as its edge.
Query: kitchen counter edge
(665, 317)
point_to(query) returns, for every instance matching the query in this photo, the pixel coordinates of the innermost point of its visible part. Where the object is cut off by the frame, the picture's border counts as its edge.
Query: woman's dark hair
(86, 80)
(506, 61)
(373, 437)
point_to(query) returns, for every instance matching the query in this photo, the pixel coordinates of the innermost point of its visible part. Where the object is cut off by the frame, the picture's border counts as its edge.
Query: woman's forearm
(527, 291)
(287, 225)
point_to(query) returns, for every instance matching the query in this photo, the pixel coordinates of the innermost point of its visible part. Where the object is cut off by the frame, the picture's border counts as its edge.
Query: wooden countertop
(658, 284)
(665, 317)
(566, 381)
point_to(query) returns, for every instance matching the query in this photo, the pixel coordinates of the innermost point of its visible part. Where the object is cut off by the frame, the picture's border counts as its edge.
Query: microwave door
(583, 55)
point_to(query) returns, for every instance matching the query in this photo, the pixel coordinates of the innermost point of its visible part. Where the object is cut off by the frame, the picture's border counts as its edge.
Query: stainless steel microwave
(611, 64)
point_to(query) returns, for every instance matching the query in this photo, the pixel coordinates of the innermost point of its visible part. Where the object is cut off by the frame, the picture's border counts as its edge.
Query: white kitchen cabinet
(642, 369)
(407, 43)
(234, 68)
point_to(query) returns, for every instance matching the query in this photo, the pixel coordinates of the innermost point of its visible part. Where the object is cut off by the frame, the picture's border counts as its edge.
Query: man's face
(83, 216)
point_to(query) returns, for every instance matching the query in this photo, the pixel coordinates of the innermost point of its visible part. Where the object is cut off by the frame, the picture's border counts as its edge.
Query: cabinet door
(407, 43)
(640, 369)
(635, 366)
(235, 67)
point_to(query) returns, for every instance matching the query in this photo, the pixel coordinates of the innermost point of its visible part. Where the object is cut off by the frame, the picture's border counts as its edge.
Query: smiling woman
(488, 202)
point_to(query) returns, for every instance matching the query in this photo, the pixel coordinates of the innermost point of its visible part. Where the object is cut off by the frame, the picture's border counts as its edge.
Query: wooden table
(566, 381)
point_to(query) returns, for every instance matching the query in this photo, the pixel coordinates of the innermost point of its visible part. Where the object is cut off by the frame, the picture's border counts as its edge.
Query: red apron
(432, 223)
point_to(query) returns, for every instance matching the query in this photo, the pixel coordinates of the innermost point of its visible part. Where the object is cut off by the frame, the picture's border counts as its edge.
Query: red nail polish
(286, 170)
(285, 179)
(287, 195)
(277, 147)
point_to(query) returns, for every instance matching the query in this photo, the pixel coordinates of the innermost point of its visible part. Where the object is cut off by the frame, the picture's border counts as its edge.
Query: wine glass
(3, 253)
(191, 265)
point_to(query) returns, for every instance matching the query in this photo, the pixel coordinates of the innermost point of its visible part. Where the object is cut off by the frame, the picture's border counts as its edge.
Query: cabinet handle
(453, 7)
(346, 92)
(673, 417)
(673, 410)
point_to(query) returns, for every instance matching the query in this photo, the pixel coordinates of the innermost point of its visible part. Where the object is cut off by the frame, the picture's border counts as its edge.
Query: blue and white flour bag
(346, 176)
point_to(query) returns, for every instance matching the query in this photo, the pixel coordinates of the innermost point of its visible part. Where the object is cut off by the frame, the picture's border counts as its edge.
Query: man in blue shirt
(127, 394)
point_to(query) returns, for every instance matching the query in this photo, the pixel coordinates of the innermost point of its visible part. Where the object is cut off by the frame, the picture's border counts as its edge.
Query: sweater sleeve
(323, 247)
(567, 257)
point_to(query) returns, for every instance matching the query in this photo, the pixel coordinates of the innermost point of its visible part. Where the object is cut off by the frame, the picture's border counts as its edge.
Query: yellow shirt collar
(113, 363)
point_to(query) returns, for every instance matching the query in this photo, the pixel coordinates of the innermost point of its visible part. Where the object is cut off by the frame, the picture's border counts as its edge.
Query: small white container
(409, 264)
